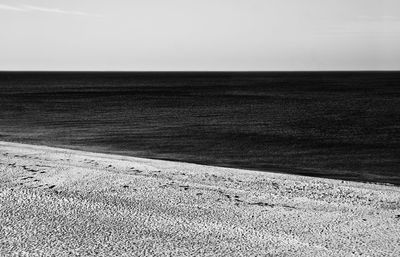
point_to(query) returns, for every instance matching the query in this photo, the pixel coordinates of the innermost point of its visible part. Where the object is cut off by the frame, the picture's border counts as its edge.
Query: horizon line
(194, 71)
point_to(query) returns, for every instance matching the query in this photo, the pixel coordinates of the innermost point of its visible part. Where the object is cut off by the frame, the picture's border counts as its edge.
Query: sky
(199, 35)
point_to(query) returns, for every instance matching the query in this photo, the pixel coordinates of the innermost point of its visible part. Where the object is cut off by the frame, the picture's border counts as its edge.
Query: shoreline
(146, 206)
(277, 170)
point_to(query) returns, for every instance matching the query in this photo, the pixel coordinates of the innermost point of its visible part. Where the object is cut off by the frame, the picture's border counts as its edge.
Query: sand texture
(57, 202)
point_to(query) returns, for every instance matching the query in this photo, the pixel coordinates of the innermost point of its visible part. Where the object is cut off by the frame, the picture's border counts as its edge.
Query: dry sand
(63, 203)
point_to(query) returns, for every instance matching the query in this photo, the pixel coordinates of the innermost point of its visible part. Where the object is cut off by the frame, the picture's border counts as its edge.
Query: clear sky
(199, 35)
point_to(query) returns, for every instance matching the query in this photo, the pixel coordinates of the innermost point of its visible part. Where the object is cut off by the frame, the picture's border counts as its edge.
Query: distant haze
(199, 35)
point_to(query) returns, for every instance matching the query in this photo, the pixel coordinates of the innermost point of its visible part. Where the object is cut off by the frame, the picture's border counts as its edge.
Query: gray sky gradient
(199, 35)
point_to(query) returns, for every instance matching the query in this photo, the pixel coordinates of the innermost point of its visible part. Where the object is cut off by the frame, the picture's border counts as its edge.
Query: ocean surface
(343, 125)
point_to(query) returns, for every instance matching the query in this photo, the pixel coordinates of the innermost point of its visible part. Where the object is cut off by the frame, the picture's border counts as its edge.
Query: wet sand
(64, 202)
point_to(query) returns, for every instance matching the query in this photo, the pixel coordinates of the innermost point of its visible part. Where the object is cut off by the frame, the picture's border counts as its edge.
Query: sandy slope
(63, 202)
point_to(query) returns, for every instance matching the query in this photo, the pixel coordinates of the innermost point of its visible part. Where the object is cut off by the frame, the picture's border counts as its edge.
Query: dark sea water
(334, 125)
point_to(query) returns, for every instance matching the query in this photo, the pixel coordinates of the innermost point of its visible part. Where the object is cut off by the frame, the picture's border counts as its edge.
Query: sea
(341, 125)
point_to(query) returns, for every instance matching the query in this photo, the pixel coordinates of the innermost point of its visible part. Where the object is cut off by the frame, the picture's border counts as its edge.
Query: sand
(72, 203)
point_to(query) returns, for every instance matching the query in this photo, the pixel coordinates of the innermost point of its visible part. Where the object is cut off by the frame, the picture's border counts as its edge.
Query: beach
(60, 202)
